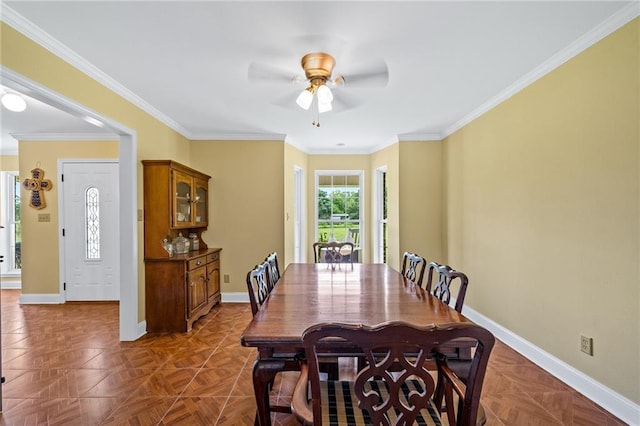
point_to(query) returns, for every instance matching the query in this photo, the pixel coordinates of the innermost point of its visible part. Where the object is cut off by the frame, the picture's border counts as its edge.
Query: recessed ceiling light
(340, 144)
(13, 102)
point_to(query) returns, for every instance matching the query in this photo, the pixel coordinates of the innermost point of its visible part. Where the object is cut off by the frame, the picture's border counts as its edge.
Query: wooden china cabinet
(181, 288)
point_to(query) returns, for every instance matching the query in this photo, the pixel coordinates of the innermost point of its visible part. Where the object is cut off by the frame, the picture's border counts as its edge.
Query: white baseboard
(41, 299)
(618, 405)
(7, 284)
(142, 328)
(242, 297)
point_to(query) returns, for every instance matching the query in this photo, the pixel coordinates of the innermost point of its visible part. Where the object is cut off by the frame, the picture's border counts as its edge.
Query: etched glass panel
(92, 223)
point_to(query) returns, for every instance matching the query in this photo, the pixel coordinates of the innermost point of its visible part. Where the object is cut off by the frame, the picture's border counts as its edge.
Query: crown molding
(613, 23)
(238, 137)
(65, 136)
(411, 137)
(336, 150)
(44, 39)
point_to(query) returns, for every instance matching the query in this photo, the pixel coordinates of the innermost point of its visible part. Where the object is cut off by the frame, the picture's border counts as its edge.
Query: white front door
(90, 230)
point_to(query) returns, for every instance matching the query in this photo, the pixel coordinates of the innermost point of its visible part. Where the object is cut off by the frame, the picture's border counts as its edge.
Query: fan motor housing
(318, 66)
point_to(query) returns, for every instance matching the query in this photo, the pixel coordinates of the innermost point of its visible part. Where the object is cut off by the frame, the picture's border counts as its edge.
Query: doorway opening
(339, 208)
(130, 329)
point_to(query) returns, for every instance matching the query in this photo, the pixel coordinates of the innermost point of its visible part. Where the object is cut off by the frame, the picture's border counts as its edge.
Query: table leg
(264, 371)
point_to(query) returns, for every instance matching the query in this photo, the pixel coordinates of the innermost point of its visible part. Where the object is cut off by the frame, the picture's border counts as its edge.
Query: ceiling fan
(318, 68)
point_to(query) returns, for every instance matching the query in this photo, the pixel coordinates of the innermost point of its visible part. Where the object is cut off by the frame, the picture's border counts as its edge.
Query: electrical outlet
(586, 345)
(226, 278)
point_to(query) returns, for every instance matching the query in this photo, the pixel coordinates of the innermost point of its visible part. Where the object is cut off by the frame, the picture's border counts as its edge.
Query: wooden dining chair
(333, 252)
(447, 280)
(394, 387)
(413, 267)
(273, 271)
(258, 286)
(259, 291)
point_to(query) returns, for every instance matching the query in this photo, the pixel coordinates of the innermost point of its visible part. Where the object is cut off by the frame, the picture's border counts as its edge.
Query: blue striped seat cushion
(340, 404)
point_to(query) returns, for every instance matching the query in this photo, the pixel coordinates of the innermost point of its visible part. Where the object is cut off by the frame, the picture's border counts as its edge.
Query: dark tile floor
(64, 365)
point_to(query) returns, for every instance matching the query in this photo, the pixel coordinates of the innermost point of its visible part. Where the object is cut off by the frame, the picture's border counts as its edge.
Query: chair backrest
(396, 352)
(413, 267)
(258, 286)
(354, 236)
(273, 271)
(333, 252)
(448, 278)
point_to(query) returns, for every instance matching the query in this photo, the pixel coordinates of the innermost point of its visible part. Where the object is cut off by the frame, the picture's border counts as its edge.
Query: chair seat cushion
(340, 404)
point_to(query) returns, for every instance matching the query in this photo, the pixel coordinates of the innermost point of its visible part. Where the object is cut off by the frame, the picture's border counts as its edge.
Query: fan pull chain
(316, 113)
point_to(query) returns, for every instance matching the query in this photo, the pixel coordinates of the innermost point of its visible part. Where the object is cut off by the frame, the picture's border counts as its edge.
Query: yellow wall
(8, 163)
(420, 197)
(543, 211)
(293, 158)
(154, 139)
(246, 215)
(337, 162)
(40, 255)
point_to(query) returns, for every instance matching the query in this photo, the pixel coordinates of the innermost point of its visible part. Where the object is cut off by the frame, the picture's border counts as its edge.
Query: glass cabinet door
(200, 203)
(182, 215)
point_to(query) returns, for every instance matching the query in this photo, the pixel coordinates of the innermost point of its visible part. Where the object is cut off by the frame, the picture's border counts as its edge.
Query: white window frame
(7, 242)
(361, 176)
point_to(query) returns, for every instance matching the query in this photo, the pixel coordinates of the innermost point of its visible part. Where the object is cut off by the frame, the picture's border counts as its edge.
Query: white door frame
(62, 223)
(299, 216)
(378, 199)
(130, 329)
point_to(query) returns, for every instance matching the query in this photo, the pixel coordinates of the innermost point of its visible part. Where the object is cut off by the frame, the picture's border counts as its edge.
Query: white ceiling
(42, 121)
(187, 62)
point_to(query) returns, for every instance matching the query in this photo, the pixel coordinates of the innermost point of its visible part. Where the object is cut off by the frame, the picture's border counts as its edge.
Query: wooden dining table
(308, 294)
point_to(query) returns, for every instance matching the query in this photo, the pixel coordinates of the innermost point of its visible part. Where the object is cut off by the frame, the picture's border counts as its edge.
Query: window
(339, 206)
(92, 223)
(11, 236)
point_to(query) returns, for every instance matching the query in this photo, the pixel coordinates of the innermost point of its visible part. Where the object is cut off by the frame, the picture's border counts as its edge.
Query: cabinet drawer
(196, 263)
(213, 257)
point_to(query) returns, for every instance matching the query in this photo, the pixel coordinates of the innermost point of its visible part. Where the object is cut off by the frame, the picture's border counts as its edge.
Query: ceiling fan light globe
(324, 106)
(304, 99)
(13, 102)
(324, 94)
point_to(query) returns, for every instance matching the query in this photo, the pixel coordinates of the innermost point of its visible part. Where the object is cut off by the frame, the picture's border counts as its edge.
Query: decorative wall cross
(37, 184)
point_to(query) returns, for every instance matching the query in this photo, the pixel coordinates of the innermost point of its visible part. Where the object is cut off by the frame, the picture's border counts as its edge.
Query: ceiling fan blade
(343, 101)
(287, 100)
(370, 76)
(264, 73)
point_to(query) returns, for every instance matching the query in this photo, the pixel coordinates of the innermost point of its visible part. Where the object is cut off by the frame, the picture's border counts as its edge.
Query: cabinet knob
(199, 262)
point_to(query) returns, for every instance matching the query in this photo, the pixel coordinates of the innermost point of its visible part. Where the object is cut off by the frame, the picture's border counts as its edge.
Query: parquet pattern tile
(65, 366)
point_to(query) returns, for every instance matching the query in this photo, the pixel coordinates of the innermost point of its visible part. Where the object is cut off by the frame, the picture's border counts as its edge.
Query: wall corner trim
(607, 398)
